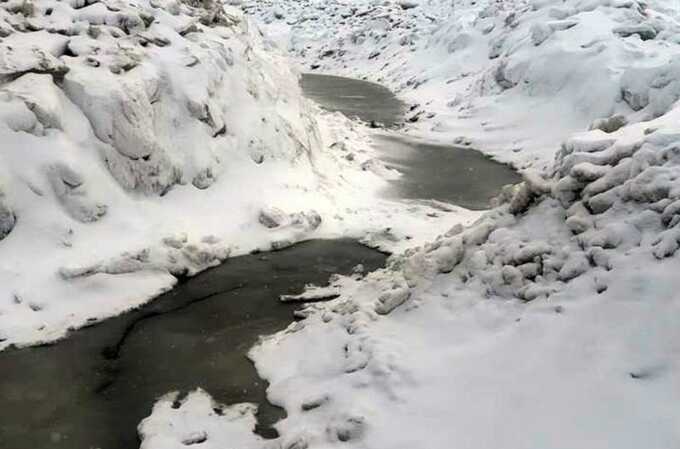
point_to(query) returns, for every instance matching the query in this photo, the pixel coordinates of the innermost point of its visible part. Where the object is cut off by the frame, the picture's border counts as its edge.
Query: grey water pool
(448, 173)
(92, 389)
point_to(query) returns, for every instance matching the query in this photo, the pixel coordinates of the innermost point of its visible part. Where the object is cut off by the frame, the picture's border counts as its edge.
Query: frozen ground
(550, 323)
(149, 139)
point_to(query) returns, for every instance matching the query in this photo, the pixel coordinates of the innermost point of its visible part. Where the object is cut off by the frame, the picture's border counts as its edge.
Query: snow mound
(125, 124)
(197, 420)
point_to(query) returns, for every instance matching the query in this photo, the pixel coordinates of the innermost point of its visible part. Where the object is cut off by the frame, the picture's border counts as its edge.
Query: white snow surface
(147, 139)
(553, 321)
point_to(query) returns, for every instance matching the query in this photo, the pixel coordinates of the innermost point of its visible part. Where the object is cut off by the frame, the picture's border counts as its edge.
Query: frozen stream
(452, 174)
(92, 389)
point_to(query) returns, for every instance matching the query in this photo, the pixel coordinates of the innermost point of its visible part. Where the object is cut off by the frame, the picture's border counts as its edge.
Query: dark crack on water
(92, 389)
(113, 352)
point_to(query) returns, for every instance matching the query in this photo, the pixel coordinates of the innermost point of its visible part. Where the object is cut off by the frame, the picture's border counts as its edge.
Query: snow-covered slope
(146, 139)
(513, 78)
(124, 126)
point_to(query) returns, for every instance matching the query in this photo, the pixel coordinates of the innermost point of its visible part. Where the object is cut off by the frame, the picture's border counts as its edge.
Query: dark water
(451, 174)
(367, 101)
(92, 389)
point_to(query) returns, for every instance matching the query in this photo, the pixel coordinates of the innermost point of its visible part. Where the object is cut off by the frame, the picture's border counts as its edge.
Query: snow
(548, 322)
(197, 419)
(147, 140)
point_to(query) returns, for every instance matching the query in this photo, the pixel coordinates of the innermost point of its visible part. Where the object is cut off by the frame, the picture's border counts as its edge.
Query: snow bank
(151, 139)
(123, 124)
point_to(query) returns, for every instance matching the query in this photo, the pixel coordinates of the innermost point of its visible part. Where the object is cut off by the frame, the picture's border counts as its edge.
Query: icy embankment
(512, 78)
(142, 140)
(552, 322)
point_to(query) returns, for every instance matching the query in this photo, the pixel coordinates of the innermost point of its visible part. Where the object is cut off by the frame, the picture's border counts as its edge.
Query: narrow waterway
(364, 100)
(448, 173)
(93, 388)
